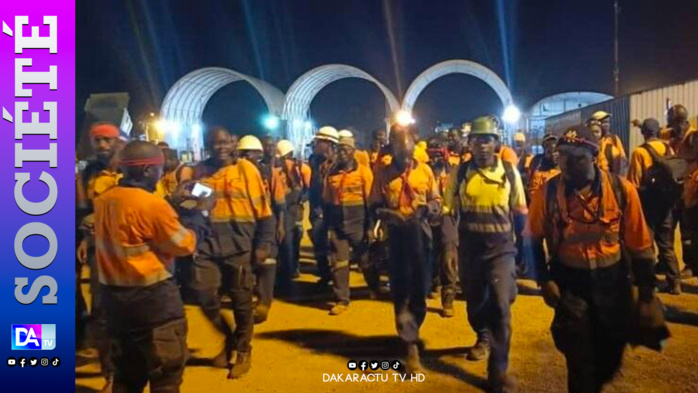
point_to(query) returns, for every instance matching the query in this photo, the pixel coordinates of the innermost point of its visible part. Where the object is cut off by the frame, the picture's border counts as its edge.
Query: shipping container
(641, 105)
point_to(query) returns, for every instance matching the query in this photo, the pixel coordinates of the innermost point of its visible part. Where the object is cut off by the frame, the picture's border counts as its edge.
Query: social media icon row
(374, 365)
(33, 362)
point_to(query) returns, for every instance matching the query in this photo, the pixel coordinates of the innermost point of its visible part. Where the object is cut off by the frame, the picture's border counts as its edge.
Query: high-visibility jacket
(640, 160)
(137, 237)
(539, 176)
(319, 169)
(487, 200)
(614, 140)
(242, 212)
(610, 158)
(362, 157)
(168, 183)
(583, 230)
(346, 194)
(404, 191)
(99, 181)
(690, 189)
(454, 159)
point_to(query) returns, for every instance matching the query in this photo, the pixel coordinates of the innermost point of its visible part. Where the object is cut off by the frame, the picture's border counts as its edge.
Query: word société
(35, 209)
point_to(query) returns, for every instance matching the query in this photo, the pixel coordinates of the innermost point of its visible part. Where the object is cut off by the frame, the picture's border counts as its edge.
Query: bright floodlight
(404, 118)
(196, 128)
(271, 122)
(308, 125)
(512, 114)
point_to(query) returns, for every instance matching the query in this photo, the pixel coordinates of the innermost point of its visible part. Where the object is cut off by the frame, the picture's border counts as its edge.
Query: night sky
(539, 47)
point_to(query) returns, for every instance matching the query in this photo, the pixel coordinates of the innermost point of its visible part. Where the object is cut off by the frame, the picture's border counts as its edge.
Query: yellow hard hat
(345, 134)
(600, 115)
(250, 142)
(485, 125)
(327, 133)
(283, 148)
(519, 137)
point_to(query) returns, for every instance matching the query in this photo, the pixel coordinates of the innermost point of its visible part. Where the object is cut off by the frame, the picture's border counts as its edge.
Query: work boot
(221, 360)
(674, 287)
(412, 364)
(448, 311)
(479, 351)
(108, 384)
(501, 383)
(686, 273)
(261, 312)
(242, 365)
(434, 294)
(339, 308)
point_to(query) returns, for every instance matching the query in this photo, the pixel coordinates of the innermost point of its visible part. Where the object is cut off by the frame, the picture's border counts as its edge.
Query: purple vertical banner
(37, 196)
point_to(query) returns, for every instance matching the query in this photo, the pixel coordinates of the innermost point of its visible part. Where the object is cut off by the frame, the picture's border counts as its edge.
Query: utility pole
(616, 69)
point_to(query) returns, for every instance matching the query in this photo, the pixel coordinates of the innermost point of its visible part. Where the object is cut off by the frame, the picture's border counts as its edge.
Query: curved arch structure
(455, 67)
(557, 104)
(185, 101)
(306, 87)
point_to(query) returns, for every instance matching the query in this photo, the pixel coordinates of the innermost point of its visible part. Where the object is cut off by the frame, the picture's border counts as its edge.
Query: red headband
(104, 131)
(159, 160)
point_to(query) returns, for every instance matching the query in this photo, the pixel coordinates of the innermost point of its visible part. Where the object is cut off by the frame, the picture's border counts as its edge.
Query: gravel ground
(300, 343)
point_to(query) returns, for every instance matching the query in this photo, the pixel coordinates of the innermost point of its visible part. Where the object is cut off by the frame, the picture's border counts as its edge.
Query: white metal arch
(456, 67)
(305, 88)
(185, 101)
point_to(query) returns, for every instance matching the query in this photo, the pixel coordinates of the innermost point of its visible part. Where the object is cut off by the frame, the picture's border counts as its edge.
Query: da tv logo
(33, 337)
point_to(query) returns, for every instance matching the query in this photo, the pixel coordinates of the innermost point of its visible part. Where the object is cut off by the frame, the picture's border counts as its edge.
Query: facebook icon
(34, 337)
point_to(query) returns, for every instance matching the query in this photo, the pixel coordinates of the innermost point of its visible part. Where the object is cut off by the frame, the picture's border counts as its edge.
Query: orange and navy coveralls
(541, 170)
(241, 223)
(410, 192)
(445, 243)
(583, 232)
(296, 177)
(346, 192)
(137, 237)
(689, 151)
(319, 168)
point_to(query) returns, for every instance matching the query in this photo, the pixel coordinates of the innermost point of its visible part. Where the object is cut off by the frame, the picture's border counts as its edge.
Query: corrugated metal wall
(619, 109)
(652, 103)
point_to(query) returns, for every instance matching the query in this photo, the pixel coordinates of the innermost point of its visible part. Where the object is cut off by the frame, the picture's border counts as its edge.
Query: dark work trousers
(590, 323)
(156, 357)
(663, 225)
(445, 258)
(98, 316)
(346, 247)
(287, 264)
(232, 275)
(80, 307)
(489, 285)
(410, 275)
(689, 237)
(319, 234)
(265, 272)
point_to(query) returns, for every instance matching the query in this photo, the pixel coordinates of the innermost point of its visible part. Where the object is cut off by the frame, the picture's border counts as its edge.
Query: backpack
(508, 176)
(662, 183)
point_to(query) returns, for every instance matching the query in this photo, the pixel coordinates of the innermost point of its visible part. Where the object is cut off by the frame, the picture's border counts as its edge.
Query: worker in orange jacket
(346, 191)
(405, 194)
(137, 236)
(242, 237)
(611, 150)
(659, 216)
(543, 167)
(258, 153)
(583, 215)
(445, 233)
(100, 175)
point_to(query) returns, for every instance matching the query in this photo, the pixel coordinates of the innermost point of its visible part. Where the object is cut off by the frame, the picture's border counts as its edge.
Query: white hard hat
(327, 133)
(345, 134)
(283, 148)
(250, 142)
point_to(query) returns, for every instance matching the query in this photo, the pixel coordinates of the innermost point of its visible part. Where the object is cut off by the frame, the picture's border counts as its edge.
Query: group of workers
(453, 213)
